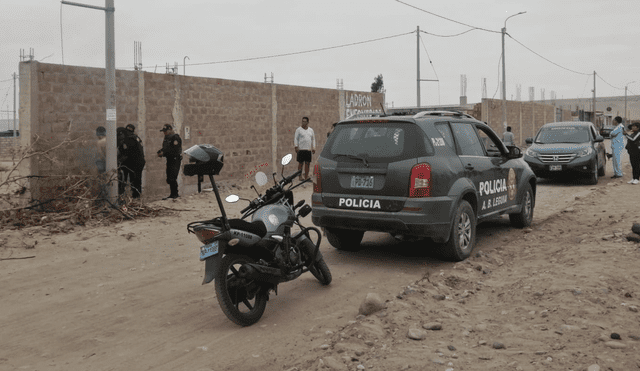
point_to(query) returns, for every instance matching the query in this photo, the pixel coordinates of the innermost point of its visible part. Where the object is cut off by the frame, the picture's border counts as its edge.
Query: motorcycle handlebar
(288, 179)
(272, 193)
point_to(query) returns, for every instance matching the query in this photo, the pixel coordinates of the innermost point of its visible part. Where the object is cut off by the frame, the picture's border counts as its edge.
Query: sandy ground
(129, 296)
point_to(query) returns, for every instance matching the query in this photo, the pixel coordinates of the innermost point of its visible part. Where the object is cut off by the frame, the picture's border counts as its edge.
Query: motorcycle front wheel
(320, 270)
(242, 301)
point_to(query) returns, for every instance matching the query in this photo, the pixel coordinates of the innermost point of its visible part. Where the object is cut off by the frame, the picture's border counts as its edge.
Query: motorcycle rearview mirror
(232, 199)
(261, 178)
(286, 159)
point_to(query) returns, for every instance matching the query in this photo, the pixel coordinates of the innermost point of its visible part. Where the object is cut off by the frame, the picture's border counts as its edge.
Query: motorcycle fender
(211, 265)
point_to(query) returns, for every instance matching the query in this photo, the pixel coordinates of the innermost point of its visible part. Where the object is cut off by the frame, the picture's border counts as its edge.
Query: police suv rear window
(378, 142)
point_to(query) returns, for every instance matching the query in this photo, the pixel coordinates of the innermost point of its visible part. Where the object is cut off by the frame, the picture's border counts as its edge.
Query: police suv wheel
(462, 238)
(344, 239)
(525, 216)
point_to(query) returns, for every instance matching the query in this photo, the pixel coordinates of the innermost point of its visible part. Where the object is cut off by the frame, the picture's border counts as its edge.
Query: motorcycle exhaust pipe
(261, 273)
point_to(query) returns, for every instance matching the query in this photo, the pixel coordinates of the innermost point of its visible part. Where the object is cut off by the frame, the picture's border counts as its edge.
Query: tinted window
(445, 131)
(563, 134)
(489, 143)
(377, 142)
(467, 139)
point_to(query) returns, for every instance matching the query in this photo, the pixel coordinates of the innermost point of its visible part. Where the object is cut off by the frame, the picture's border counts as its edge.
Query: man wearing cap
(134, 162)
(172, 150)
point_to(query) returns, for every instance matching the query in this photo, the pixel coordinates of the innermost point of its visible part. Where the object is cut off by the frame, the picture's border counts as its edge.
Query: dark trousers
(173, 169)
(133, 175)
(634, 158)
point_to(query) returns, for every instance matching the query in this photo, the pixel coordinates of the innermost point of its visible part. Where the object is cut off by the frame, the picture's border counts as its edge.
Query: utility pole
(504, 75)
(594, 99)
(110, 91)
(184, 65)
(15, 76)
(418, 65)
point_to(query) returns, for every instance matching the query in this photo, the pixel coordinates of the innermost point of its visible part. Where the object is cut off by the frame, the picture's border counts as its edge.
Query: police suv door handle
(469, 167)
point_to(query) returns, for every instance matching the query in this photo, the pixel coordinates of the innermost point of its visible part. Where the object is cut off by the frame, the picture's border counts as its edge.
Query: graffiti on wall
(359, 103)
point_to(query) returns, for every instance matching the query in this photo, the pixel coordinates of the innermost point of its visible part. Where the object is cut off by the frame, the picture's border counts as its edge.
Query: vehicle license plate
(208, 250)
(358, 181)
(555, 167)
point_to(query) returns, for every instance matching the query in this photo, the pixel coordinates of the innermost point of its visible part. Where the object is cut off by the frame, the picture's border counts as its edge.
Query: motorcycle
(247, 260)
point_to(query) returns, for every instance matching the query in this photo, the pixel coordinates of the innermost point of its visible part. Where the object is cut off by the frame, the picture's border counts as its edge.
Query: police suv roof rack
(365, 114)
(442, 113)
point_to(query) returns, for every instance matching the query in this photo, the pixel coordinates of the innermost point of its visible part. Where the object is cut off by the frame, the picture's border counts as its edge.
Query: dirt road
(128, 297)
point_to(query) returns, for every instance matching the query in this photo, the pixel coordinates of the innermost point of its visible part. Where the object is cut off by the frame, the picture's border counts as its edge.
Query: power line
(432, 66)
(458, 34)
(600, 77)
(448, 19)
(297, 53)
(568, 69)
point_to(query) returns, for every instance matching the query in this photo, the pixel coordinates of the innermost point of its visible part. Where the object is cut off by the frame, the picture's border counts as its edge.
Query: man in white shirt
(304, 141)
(508, 138)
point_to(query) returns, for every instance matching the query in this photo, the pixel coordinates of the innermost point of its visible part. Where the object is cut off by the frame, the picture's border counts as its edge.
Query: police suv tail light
(317, 179)
(420, 183)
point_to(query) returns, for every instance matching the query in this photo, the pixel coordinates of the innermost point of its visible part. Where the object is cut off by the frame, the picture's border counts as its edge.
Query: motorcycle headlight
(531, 153)
(585, 152)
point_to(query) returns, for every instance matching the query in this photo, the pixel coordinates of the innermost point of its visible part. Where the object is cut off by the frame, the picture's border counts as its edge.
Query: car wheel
(462, 237)
(344, 239)
(525, 216)
(593, 178)
(602, 170)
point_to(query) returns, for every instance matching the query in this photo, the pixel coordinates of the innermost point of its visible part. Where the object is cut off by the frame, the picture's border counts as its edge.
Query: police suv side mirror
(528, 140)
(514, 152)
(599, 138)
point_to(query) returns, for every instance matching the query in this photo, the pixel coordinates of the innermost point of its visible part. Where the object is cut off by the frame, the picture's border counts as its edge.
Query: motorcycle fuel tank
(275, 217)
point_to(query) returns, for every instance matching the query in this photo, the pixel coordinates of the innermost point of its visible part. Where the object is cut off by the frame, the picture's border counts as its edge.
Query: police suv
(433, 174)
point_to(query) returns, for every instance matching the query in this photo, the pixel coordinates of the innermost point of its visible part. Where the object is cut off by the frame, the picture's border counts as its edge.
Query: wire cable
(615, 87)
(554, 63)
(432, 67)
(297, 53)
(458, 34)
(448, 19)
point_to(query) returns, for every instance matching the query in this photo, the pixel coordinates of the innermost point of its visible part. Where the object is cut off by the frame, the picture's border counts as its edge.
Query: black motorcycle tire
(235, 294)
(320, 270)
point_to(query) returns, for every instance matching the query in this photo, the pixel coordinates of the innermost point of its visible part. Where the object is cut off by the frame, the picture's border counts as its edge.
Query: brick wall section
(8, 145)
(241, 118)
(525, 118)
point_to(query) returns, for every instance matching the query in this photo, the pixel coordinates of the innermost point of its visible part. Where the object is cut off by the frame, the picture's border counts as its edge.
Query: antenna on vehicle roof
(382, 105)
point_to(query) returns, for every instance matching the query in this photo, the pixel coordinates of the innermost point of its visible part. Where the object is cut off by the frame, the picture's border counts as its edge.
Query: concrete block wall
(525, 118)
(8, 146)
(252, 123)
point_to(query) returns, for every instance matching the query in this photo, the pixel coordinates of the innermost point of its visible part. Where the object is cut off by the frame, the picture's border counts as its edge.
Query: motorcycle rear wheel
(320, 270)
(242, 301)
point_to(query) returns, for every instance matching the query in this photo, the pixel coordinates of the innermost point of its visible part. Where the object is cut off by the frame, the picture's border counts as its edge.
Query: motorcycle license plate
(208, 250)
(358, 181)
(555, 167)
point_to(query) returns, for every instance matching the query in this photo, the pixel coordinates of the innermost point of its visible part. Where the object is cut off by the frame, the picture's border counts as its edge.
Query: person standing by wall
(508, 138)
(134, 163)
(172, 150)
(304, 142)
(633, 147)
(617, 144)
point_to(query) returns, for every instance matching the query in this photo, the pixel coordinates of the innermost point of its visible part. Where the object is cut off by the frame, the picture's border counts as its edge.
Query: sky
(555, 46)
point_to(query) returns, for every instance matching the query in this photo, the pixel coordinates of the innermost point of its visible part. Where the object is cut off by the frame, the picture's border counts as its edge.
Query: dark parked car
(562, 147)
(434, 174)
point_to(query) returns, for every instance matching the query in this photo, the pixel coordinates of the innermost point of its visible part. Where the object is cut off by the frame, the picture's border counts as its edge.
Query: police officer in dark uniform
(133, 160)
(172, 150)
